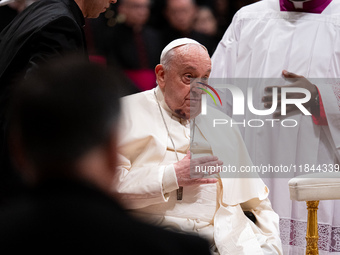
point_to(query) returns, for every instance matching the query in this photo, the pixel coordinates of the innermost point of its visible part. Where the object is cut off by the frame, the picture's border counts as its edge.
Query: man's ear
(159, 70)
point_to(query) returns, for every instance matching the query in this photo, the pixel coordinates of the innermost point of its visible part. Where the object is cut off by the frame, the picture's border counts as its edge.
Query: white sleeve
(140, 179)
(138, 187)
(224, 57)
(224, 61)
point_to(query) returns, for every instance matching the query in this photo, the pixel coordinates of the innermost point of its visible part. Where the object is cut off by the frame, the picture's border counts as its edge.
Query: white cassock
(146, 181)
(261, 42)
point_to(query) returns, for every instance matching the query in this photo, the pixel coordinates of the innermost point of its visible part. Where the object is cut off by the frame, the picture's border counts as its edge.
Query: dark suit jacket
(70, 217)
(46, 29)
(7, 14)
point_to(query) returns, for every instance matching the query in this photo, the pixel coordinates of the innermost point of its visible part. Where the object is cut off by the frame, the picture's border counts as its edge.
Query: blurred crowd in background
(131, 34)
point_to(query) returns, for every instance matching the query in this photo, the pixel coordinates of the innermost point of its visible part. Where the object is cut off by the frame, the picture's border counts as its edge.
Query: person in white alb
(163, 135)
(285, 39)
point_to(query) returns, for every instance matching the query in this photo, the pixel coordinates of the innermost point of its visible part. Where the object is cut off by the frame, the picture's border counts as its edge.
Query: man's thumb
(290, 75)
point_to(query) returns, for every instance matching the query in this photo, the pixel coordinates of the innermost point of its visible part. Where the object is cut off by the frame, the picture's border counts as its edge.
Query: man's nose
(196, 89)
(202, 86)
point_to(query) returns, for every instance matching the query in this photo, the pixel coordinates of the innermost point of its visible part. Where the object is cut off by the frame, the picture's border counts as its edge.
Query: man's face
(92, 8)
(190, 65)
(181, 14)
(136, 11)
(206, 22)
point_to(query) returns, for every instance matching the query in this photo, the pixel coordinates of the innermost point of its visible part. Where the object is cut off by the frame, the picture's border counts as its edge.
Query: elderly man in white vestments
(154, 179)
(263, 41)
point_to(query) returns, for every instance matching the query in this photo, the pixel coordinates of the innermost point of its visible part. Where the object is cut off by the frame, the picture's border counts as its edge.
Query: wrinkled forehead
(190, 48)
(191, 53)
(190, 58)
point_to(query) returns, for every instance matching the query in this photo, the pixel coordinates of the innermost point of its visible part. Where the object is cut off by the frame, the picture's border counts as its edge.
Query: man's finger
(269, 89)
(212, 163)
(205, 159)
(290, 108)
(203, 181)
(266, 99)
(290, 75)
(268, 105)
(269, 99)
(188, 155)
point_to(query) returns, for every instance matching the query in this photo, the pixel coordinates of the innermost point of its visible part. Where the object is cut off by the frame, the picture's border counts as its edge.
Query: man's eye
(204, 79)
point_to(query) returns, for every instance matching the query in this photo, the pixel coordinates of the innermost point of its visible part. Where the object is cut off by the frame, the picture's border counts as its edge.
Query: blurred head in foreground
(62, 123)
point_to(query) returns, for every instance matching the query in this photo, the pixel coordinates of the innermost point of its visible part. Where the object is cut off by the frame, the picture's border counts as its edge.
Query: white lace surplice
(260, 43)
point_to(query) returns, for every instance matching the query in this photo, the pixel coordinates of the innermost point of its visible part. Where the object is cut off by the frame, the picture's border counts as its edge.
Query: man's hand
(186, 170)
(298, 81)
